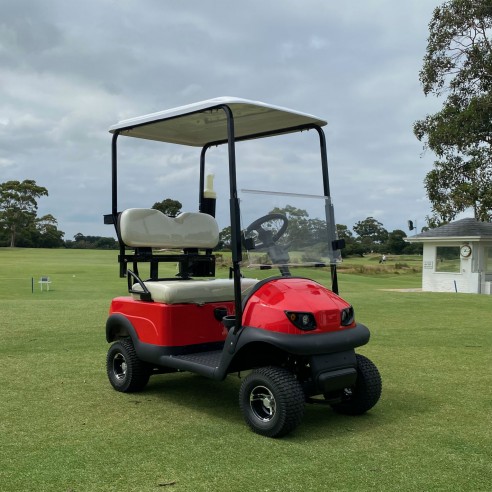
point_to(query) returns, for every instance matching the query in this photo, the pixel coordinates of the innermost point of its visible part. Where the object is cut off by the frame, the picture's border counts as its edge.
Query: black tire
(126, 372)
(271, 401)
(365, 393)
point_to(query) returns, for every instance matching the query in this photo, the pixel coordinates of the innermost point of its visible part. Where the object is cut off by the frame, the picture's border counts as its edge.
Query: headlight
(347, 316)
(303, 321)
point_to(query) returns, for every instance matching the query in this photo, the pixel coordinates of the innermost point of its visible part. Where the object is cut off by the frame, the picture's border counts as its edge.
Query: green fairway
(63, 428)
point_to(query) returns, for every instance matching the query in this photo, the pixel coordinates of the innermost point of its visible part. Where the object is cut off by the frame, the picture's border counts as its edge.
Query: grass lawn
(63, 428)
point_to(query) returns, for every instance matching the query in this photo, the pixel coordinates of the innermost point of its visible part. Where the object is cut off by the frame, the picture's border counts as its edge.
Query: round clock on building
(465, 251)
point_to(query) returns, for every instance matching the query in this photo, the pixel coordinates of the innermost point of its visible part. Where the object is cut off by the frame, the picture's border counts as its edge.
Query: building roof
(460, 229)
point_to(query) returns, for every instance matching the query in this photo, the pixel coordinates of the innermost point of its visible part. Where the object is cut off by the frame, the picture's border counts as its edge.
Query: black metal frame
(192, 258)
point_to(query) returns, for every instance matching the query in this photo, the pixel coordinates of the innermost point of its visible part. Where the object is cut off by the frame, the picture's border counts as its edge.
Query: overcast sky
(71, 69)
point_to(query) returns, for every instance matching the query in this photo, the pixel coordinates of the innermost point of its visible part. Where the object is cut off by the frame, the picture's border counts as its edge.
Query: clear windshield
(286, 230)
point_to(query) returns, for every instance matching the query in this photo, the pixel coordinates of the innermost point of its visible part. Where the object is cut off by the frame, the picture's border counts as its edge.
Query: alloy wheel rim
(119, 366)
(262, 403)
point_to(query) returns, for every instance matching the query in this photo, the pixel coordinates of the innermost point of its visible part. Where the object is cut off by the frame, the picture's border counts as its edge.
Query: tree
(49, 235)
(225, 238)
(318, 231)
(458, 64)
(396, 242)
(372, 234)
(91, 242)
(18, 206)
(457, 184)
(343, 232)
(352, 247)
(106, 243)
(298, 234)
(168, 207)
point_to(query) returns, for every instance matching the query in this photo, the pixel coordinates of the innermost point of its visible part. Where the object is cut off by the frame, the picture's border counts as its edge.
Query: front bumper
(309, 343)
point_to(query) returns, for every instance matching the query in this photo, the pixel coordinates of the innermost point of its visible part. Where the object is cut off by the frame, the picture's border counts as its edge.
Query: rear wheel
(126, 372)
(361, 397)
(271, 401)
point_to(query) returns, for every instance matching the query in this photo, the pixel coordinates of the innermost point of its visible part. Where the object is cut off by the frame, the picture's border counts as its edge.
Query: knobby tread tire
(365, 393)
(289, 398)
(137, 372)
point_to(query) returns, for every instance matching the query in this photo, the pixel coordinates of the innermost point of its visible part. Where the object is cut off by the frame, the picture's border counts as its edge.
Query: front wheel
(361, 397)
(126, 372)
(271, 401)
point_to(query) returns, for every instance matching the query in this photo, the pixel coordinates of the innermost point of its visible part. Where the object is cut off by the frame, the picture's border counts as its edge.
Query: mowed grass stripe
(63, 428)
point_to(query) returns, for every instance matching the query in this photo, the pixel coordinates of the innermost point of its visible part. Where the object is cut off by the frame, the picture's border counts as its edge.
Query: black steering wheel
(267, 237)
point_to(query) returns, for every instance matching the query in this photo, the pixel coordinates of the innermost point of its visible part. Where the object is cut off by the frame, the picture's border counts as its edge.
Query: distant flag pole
(32, 285)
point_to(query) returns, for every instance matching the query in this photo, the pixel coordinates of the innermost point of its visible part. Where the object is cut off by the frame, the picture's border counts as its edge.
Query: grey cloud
(70, 69)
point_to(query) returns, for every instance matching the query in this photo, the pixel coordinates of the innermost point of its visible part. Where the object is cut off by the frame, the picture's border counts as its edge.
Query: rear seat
(151, 228)
(146, 227)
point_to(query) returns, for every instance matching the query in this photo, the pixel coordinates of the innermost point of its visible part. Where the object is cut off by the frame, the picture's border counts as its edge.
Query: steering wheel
(268, 237)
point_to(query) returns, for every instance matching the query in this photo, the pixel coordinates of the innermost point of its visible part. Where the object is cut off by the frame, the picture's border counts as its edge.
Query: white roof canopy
(205, 122)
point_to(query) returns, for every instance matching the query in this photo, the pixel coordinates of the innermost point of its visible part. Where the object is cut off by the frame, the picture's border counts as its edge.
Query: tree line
(19, 222)
(369, 236)
(20, 226)
(366, 236)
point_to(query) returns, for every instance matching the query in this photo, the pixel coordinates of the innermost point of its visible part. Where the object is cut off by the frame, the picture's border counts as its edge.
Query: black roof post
(235, 218)
(329, 206)
(114, 176)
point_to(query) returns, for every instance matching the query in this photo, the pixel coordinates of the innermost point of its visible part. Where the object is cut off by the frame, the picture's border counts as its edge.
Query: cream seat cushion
(193, 291)
(146, 227)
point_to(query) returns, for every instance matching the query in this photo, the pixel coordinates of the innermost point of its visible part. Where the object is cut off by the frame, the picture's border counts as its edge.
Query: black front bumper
(309, 343)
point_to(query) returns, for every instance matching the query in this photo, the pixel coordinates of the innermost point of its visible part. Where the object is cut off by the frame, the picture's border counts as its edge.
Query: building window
(448, 259)
(488, 260)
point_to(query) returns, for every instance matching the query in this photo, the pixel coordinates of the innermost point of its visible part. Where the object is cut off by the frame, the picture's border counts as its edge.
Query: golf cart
(291, 337)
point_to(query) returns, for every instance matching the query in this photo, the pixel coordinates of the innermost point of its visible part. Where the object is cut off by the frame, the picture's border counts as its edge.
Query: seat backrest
(146, 227)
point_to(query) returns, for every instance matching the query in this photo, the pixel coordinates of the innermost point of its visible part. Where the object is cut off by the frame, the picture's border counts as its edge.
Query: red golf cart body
(283, 327)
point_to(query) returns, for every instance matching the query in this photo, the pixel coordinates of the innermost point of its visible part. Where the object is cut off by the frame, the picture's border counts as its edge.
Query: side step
(203, 363)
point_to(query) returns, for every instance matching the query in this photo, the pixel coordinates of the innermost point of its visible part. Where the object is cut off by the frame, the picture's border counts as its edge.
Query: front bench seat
(193, 291)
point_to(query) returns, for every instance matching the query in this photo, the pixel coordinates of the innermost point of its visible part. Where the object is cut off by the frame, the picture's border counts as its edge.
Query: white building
(457, 257)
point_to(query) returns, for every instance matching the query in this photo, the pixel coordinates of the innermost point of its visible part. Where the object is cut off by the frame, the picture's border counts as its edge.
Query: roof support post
(235, 217)
(114, 201)
(330, 214)
(114, 176)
